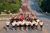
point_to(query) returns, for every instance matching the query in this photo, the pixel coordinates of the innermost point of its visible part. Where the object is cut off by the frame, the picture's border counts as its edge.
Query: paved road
(33, 6)
(2, 25)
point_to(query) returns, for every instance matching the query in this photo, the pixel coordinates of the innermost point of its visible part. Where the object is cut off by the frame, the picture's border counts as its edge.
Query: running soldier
(17, 23)
(13, 25)
(36, 25)
(7, 25)
(33, 24)
(41, 25)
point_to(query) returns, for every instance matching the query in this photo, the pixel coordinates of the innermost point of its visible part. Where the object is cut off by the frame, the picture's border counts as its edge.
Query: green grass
(2, 21)
(12, 5)
(5, 16)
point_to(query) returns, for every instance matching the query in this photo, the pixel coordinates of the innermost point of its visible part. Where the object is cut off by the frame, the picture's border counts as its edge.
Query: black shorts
(41, 25)
(22, 25)
(7, 25)
(29, 25)
(18, 26)
(36, 25)
(33, 24)
(13, 26)
(26, 25)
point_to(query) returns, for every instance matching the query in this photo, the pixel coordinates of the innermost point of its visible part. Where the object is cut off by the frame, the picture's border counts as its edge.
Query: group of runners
(25, 20)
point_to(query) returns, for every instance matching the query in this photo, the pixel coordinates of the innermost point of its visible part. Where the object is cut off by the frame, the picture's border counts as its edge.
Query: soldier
(41, 25)
(13, 25)
(7, 25)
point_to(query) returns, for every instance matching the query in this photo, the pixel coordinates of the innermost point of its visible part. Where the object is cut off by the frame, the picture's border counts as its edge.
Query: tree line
(12, 5)
(44, 5)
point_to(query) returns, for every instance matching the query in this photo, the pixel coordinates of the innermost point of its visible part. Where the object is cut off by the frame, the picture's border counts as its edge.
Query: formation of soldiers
(24, 20)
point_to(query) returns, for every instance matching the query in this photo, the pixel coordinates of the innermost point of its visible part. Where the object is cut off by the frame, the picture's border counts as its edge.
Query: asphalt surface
(33, 6)
(2, 25)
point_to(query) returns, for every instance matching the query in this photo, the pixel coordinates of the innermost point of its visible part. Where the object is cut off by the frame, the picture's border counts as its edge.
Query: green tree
(12, 5)
(45, 5)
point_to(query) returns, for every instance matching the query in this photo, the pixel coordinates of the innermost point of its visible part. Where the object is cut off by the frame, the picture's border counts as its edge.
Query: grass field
(2, 20)
(5, 16)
